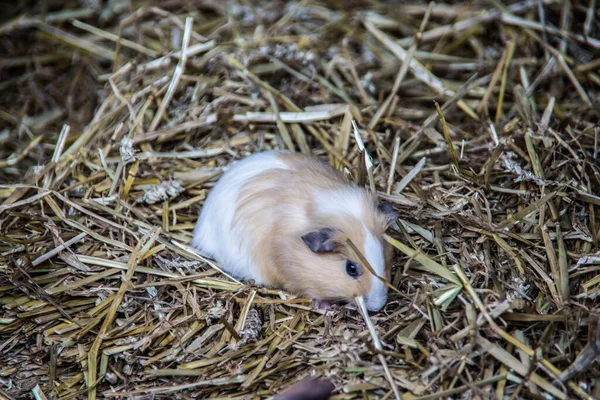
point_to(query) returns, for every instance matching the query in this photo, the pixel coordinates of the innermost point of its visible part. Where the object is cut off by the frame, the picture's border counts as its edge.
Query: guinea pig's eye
(352, 269)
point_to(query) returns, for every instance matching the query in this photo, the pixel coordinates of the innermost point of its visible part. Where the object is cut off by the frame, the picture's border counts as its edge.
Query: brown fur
(278, 206)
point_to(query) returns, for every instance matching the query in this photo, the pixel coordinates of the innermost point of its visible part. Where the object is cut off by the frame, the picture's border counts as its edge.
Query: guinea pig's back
(214, 234)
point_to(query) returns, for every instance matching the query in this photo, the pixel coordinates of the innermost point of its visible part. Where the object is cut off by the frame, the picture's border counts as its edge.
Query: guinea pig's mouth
(337, 301)
(373, 306)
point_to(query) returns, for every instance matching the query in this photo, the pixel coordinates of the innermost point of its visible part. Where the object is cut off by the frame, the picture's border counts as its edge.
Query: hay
(478, 121)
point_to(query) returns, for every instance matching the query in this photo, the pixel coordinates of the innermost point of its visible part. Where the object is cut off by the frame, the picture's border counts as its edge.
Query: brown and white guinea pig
(283, 218)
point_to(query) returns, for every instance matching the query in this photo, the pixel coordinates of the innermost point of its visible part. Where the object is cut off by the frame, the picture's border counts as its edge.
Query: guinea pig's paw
(322, 304)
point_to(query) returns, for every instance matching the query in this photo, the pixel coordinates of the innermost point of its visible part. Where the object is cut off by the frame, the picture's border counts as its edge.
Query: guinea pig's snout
(375, 303)
(376, 298)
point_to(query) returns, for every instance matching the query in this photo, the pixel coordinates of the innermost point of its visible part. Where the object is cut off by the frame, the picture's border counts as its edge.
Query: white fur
(351, 202)
(214, 234)
(337, 201)
(377, 296)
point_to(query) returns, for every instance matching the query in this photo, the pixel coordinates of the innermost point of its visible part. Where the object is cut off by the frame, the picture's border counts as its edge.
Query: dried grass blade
(404, 182)
(114, 38)
(23, 202)
(511, 362)
(38, 394)
(403, 70)
(112, 312)
(426, 262)
(195, 253)
(367, 158)
(563, 265)
(393, 165)
(285, 134)
(179, 69)
(510, 52)
(16, 158)
(157, 390)
(75, 41)
(535, 206)
(377, 343)
(533, 156)
(418, 69)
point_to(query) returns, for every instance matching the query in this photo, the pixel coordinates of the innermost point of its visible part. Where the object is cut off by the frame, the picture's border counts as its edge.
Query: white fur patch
(377, 296)
(351, 201)
(336, 201)
(215, 234)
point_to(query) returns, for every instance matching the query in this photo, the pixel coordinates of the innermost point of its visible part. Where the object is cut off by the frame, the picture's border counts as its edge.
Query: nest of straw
(480, 120)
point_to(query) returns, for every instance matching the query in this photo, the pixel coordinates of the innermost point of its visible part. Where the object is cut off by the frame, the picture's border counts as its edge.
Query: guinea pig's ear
(320, 241)
(387, 210)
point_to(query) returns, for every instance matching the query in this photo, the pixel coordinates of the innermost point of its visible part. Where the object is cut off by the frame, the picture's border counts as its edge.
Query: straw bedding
(478, 121)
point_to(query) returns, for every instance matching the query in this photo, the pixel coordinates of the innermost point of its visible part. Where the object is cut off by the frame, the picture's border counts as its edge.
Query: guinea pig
(283, 219)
